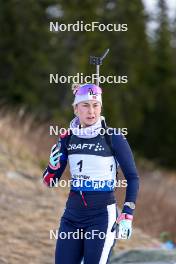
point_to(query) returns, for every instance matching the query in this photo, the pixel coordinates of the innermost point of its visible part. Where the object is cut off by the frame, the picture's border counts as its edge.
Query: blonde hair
(75, 87)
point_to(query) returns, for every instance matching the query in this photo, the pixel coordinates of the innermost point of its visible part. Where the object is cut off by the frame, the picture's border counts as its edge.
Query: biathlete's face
(88, 112)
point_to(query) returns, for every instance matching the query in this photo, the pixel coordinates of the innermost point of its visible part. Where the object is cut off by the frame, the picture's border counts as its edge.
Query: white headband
(86, 97)
(92, 92)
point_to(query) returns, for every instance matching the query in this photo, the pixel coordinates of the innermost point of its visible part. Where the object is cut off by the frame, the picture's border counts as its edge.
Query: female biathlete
(88, 226)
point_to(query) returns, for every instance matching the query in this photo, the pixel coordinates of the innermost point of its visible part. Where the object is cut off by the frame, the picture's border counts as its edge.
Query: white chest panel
(91, 167)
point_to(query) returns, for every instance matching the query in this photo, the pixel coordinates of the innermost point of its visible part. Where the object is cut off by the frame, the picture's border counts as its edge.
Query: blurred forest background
(29, 104)
(145, 105)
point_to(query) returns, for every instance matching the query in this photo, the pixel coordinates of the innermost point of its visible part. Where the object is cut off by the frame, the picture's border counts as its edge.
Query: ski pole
(98, 61)
(115, 225)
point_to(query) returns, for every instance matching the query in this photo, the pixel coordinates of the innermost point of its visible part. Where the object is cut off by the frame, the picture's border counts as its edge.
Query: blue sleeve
(124, 156)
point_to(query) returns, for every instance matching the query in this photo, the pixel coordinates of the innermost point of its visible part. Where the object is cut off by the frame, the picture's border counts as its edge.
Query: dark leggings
(86, 235)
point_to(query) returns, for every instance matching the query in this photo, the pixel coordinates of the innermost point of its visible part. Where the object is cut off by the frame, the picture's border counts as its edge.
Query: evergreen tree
(28, 55)
(161, 119)
(129, 52)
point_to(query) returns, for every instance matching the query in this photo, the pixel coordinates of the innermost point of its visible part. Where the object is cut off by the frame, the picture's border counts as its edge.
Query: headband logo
(90, 91)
